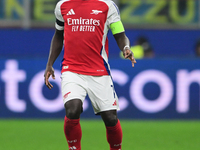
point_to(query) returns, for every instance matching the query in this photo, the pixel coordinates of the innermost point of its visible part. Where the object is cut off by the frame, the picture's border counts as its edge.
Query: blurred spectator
(197, 48)
(141, 48)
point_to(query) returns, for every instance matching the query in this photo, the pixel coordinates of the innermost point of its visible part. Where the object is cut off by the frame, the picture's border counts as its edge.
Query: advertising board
(154, 89)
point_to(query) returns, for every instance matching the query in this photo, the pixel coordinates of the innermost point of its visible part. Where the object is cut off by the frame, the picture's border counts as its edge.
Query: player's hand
(128, 54)
(49, 72)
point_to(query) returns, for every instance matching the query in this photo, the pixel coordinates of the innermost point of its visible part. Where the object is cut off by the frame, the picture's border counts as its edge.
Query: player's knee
(73, 113)
(73, 109)
(110, 119)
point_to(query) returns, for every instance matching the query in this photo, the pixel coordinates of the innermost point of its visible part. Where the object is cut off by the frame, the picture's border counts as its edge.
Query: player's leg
(73, 95)
(113, 129)
(72, 127)
(105, 102)
(73, 109)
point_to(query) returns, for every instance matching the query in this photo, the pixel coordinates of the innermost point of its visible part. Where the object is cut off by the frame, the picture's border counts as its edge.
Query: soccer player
(82, 26)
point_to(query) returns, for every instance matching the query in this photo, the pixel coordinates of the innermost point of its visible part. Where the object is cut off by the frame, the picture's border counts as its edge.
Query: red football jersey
(86, 24)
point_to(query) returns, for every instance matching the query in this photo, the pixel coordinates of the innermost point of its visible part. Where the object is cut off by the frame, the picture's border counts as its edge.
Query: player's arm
(122, 40)
(56, 45)
(55, 49)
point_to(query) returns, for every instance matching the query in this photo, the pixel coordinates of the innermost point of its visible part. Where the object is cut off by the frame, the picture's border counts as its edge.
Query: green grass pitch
(137, 135)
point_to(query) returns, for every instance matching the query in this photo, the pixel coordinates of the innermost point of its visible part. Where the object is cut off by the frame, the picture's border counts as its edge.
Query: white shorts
(100, 90)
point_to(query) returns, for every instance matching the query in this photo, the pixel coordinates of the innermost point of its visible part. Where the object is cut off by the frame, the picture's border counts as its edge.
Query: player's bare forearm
(124, 45)
(122, 40)
(56, 47)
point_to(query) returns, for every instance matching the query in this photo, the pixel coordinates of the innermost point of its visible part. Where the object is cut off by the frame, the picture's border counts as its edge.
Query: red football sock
(114, 136)
(73, 133)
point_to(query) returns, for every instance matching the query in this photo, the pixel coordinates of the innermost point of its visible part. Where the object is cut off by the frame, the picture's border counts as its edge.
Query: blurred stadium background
(159, 98)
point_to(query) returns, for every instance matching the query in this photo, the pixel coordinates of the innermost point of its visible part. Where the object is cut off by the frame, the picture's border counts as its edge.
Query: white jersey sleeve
(59, 18)
(113, 13)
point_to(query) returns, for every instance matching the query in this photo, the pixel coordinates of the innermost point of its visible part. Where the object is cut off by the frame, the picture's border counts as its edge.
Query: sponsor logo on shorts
(115, 103)
(66, 95)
